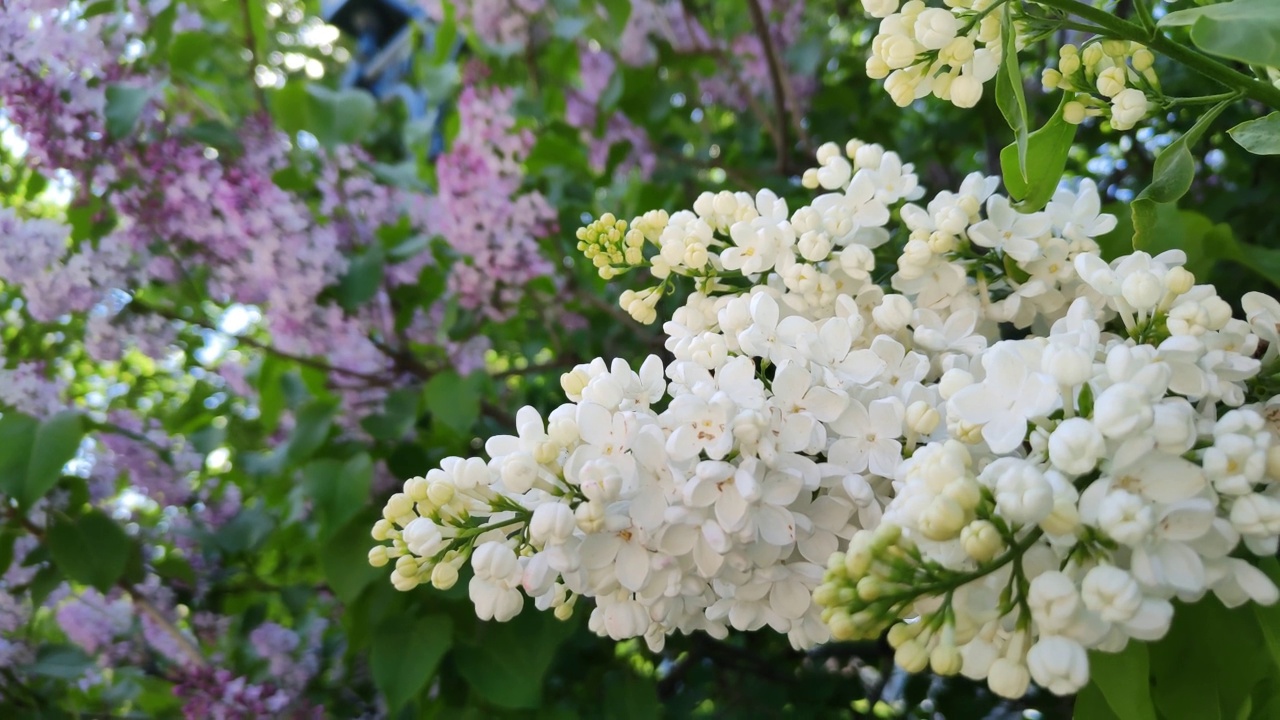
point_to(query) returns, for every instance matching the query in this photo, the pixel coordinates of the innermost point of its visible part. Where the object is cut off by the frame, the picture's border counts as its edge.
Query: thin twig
(779, 84)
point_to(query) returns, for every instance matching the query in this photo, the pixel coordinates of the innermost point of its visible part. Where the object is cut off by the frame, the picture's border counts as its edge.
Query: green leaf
(338, 117)
(399, 415)
(64, 662)
(288, 106)
(1009, 94)
(55, 444)
(313, 422)
(124, 105)
(1185, 690)
(1260, 136)
(363, 278)
(1175, 168)
(345, 560)
(1247, 31)
(1091, 705)
(339, 490)
(1123, 679)
(1046, 159)
(619, 11)
(405, 654)
(506, 662)
(92, 549)
(1189, 231)
(17, 436)
(452, 400)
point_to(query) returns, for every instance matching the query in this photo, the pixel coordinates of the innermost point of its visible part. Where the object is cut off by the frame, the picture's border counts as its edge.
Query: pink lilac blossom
(137, 451)
(503, 24)
(480, 209)
(215, 694)
(596, 69)
(28, 388)
(95, 622)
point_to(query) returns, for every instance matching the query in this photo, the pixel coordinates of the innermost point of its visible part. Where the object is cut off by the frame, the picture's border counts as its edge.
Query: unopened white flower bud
(942, 519)
(416, 488)
(1068, 364)
(1111, 592)
(590, 517)
(1009, 678)
(1142, 290)
(893, 313)
(552, 522)
(911, 656)
(1054, 601)
(981, 540)
(1058, 664)
(953, 381)
(378, 556)
(880, 8)
(1125, 517)
(966, 91)
(444, 576)
(1111, 81)
(945, 660)
(922, 418)
(1023, 495)
(1075, 446)
(1122, 409)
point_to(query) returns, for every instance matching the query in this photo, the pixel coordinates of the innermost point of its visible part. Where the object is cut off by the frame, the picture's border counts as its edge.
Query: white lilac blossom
(826, 456)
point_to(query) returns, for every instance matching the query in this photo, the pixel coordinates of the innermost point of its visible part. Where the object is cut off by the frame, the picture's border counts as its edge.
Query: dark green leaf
(399, 415)
(452, 400)
(1123, 679)
(405, 654)
(1260, 136)
(92, 549)
(124, 105)
(1046, 160)
(64, 662)
(1175, 168)
(245, 532)
(17, 436)
(345, 560)
(55, 444)
(363, 278)
(313, 422)
(339, 490)
(507, 664)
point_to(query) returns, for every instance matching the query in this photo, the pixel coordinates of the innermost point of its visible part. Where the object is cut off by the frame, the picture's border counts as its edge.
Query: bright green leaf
(288, 106)
(1009, 93)
(1046, 159)
(124, 105)
(337, 117)
(1123, 679)
(92, 549)
(55, 444)
(406, 653)
(1244, 30)
(1260, 136)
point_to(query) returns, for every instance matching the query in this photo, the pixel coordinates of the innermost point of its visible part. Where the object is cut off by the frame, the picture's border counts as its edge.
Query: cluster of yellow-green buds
(609, 246)
(1111, 78)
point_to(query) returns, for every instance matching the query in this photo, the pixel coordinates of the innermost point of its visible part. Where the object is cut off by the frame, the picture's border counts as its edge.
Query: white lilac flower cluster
(834, 458)
(951, 52)
(1107, 78)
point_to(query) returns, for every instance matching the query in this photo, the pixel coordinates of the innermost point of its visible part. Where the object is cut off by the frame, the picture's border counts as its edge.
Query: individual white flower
(1054, 601)
(1023, 495)
(869, 437)
(1111, 592)
(552, 522)
(1006, 229)
(1008, 678)
(1011, 394)
(1075, 446)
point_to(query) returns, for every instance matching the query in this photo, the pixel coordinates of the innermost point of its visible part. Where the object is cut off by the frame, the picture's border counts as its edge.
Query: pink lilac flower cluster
(481, 209)
(219, 695)
(596, 69)
(501, 24)
(136, 449)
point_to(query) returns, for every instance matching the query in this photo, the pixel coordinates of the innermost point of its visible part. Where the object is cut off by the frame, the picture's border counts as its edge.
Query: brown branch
(259, 345)
(779, 85)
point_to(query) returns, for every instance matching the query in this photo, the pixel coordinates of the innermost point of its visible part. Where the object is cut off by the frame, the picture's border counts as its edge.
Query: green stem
(1116, 27)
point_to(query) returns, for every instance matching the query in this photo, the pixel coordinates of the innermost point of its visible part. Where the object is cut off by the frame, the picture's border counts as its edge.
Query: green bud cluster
(610, 246)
